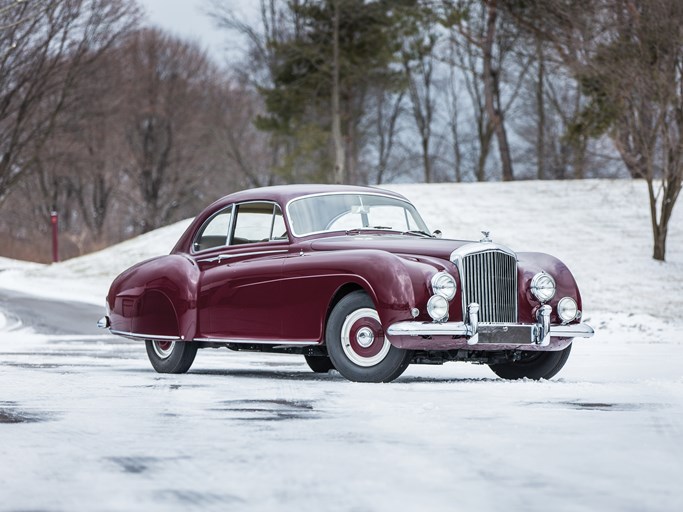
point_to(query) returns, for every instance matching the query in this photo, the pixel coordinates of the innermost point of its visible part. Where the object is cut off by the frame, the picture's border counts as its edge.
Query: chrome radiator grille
(490, 279)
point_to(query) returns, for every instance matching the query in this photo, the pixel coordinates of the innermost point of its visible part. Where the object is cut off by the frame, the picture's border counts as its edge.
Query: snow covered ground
(85, 424)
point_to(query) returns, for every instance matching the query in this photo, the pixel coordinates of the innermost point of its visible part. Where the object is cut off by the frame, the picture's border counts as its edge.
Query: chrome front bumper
(495, 333)
(104, 323)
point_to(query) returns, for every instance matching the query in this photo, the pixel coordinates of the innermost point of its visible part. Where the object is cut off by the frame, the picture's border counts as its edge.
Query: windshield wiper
(417, 232)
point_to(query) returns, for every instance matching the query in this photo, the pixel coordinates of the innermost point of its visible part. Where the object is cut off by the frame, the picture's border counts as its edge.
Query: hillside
(600, 228)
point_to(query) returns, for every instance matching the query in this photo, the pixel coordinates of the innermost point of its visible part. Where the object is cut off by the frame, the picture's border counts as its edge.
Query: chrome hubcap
(365, 337)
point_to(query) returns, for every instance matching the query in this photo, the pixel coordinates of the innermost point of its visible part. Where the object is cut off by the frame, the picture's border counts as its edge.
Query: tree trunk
(426, 161)
(492, 92)
(339, 163)
(540, 107)
(659, 229)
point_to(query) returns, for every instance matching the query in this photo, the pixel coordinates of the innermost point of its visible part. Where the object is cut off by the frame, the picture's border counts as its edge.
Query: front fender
(397, 284)
(530, 264)
(314, 280)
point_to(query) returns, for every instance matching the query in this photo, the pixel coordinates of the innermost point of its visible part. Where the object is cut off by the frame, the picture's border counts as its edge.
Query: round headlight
(437, 307)
(444, 284)
(543, 286)
(567, 309)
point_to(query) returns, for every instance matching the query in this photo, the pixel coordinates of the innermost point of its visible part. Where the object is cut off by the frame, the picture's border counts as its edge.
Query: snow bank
(87, 278)
(600, 228)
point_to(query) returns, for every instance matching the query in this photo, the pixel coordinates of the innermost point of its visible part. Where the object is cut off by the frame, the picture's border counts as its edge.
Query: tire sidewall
(545, 366)
(390, 367)
(179, 361)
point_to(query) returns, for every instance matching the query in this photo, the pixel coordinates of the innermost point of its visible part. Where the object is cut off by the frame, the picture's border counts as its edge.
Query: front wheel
(357, 345)
(171, 356)
(533, 365)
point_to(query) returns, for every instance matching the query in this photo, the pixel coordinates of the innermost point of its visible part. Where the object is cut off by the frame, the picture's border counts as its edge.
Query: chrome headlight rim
(567, 304)
(444, 284)
(540, 288)
(437, 308)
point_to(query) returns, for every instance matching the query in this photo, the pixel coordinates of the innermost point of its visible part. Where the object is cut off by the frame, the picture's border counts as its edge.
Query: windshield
(348, 212)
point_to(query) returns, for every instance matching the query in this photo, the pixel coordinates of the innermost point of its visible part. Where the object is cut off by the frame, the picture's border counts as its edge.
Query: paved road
(86, 424)
(52, 317)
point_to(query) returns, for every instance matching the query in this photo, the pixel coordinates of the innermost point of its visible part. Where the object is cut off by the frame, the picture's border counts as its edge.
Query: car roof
(283, 194)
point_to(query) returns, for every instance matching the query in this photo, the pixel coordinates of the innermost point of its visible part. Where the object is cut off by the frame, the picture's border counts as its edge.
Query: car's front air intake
(489, 278)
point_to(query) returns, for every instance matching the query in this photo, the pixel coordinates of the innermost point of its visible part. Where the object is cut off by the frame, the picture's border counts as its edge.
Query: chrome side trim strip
(145, 336)
(256, 342)
(222, 257)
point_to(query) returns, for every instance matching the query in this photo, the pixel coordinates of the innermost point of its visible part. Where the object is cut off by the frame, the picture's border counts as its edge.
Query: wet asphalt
(46, 316)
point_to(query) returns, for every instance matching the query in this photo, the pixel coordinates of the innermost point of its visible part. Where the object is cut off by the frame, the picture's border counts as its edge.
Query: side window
(258, 222)
(215, 231)
(279, 231)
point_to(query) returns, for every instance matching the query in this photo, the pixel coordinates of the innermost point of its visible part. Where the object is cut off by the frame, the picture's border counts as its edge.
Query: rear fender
(156, 297)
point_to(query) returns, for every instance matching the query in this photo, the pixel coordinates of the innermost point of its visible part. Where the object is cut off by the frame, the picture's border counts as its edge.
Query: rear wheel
(171, 356)
(357, 345)
(534, 365)
(319, 364)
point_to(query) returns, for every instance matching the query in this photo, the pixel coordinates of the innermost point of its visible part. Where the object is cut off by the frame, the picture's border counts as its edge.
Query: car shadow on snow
(270, 374)
(596, 406)
(268, 410)
(11, 413)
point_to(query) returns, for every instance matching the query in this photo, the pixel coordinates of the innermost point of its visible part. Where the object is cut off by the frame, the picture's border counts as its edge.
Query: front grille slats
(490, 279)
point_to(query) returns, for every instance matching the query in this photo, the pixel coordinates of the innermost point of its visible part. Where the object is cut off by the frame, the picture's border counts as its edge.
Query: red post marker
(54, 219)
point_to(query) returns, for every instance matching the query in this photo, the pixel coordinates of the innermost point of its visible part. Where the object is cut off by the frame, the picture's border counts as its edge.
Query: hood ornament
(486, 236)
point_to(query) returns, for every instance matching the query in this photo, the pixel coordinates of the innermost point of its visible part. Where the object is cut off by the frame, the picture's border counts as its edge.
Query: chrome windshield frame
(347, 193)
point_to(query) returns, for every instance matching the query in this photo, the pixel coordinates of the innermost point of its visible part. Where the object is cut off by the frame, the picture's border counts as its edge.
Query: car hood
(396, 244)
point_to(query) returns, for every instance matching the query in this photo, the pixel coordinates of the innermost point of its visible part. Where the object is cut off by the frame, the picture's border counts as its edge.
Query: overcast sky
(188, 19)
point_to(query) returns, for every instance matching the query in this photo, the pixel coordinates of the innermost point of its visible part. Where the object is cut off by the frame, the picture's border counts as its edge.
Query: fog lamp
(437, 307)
(567, 309)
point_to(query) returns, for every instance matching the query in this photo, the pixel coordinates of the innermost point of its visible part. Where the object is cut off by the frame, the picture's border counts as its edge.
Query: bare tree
(466, 59)
(339, 153)
(628, 56)
(247, 158)
(418, 64)
(387, 112)
(491, 77)
(47, 46)
(165, 122)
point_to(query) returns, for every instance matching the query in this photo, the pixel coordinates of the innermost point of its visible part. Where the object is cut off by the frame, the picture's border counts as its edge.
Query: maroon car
(352, 279)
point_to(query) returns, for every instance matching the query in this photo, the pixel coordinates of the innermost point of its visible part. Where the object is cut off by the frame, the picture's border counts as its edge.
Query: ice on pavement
(86, 424)
(89, 426)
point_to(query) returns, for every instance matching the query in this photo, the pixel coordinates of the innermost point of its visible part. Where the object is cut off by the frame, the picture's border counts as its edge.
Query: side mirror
(437, 233)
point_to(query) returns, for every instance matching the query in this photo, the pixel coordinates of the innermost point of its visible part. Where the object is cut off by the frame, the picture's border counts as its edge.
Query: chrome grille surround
(488, 277)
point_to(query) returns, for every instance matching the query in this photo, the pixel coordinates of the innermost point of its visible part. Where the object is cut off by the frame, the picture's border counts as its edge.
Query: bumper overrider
(499, 334)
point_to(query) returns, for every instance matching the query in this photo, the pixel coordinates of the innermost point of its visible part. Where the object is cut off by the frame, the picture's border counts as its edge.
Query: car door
(240, 285)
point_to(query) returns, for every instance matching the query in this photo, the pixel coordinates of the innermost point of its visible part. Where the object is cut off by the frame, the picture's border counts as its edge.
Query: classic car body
(351, 278)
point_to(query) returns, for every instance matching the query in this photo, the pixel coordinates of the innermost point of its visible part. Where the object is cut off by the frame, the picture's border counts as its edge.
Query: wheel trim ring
(163, 349)
(355, 352)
